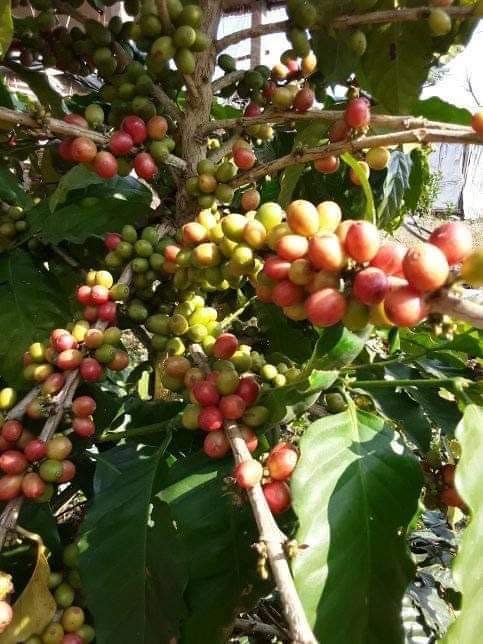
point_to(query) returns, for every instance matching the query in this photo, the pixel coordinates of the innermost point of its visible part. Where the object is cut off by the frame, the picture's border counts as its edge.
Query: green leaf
(396, 183)
(307, 135)
(467, 569)
(80, 176)
(40, 85)
(396, 64)
(442, 412)
(419, 175)
(76, 222)
(132, 579)
(370, 211)
(6, 26)
(354, 490)
(337, 347)
(217, 535)
(285, 336)
(220, 111)
(31, 305)
(435, 109)
(11, 189)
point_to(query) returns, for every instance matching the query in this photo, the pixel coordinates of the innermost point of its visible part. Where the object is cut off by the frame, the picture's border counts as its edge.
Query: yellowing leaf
(35, 607)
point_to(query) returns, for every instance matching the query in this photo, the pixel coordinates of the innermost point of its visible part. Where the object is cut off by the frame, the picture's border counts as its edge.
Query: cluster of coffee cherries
(99, 295)
(6, 611)
(125, 153)
(191, 320)
(30, 465)
(327, 270)
(273, 473)
(217, 252)
(69, 625)
(12, 223)
(210, 185)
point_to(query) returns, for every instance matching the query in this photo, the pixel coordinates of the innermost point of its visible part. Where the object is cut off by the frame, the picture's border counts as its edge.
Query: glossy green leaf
(467, 569)
(39, 83)
(216, 533)
(31, 305)
(132, 579)
(337, 347)
(396, 64)
(285, 336)
(354, 491)
(435, 109)
(395, 186)
(370, 211)
(6, 26)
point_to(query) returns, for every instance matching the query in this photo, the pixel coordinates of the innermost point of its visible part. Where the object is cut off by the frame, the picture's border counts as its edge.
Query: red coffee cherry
(425, 267)
(276, 268)
(250, 438)
(210, 419)
(225, 346)
(370, 286)
(232, 406)
(362, 241)
(10, 486)
(216, 445)
(286, 293)
(105, 164)
(13, 462)
(64, 149)
(325, 307)
(35, 450)
(83, 406)
(90, 370)
(112, 241)
(248, 389)
(389, 257)
(11, 431)
(84, 427)
(454, 239)
(121, 143)
(83, 150)
(68, 471)
(282, 461)
(145, 166)
(277, 494)
(357, 113)
(32, 486)
(136, 128)
(404, 306)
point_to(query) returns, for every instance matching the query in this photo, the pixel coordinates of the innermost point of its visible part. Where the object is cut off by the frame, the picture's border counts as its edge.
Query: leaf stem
(405, 382)
(156, 428)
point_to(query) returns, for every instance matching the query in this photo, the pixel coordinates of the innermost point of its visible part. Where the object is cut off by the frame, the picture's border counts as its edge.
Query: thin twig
(421, 136)
(385, 121)
(226, 80)
(251, 626)
(168, 105)
(225, 148)
(343, 22)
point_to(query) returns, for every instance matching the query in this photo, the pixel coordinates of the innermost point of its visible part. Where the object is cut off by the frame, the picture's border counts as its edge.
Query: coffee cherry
(13, 462)
(216, 445)
(72, 619)
(248, 389)
(64, 342)
(250, 199)
(105, 164)
(304, 100)
(405, 306)
(325, 307)
(94, 338)
(338, 131)
(87, 633)
(439, 22)
(250, 438)
(225, 346)
(84, 294)
(362, 241)
(121, 143)
(286, 293)
(425, 267)
(68, 471)
(451, 498)
(107, 312)
(145, 166)
(292, 247)
(327, 164)
(256, 416)
(206, 393)
(210, 419)
(454, 239)
(303, 218)
(472, 269)
(35, 450)
(244, 159)
(64, 149)
(90, 313)
(252, 109)
(277, 494)
(232, 406)
(370, 286)
(378, 158)
(83, 150)
(33, 486)
(53, 634)
(6, 615)
(248, 474)
(36, 410)
(10, 486)
(366, 171)
(136, 128)
(389, 257)
(58, 447)
(325, 252)
(84, 427)
(112, 241)
(11, 431)
(64, 595)
(357, 113)
(69, 359)
(90, 370)
(477, 122)
(282, 461)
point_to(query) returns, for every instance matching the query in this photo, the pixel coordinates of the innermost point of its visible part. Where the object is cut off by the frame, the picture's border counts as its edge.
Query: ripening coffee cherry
(405, 306)
(232, 406)
(206, 393)
(64, 149)
(136, 128)
(286, 293)
(248, 474)
(244, 159)
(250, 199)
(58, 447)
(11, 431)
(454, 239)
(250, 438)
(370, 286)
(301, 272)
(325, 307)
(378, 158)
(248, 389)
(357, 113)
(84, 427)
(69, 359)
(225, 346)
(13, 462)
(90, 370)
(35, 450)
(281, 461)
(362, 241)
(292, 247)
(121, 143)
(33, 486)
(105, 164)
(439, 22)
(210, 419)
(477, 122)
(119, 362)
(330, 216)
(10, 486)
(338, 131)
(83, 150)
(327, 164)
(304, 100)
(216, 445)
(72, 619)
(53, 634)
(68, 471)
(326, 253)
(83, 406)
(145, 166)
(94, 338)
(303, 218)
(425, 267)
(6, 615)
(389, 257)
(50, 470)
(277, 494)
(472, 269)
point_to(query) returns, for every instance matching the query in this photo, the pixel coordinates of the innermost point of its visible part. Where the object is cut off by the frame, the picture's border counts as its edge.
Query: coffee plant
(235, 404)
